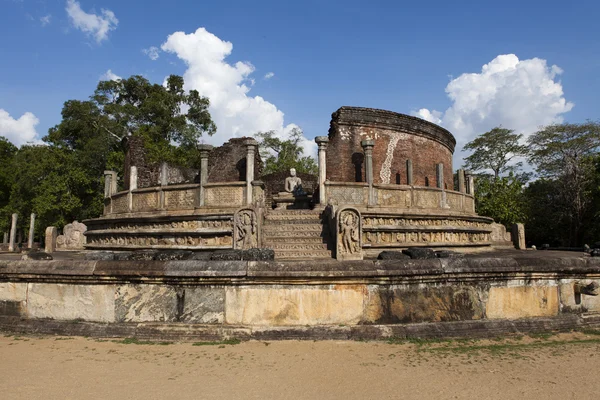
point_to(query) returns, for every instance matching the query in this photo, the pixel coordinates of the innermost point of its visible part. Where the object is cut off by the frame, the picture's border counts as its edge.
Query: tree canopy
(281, 155)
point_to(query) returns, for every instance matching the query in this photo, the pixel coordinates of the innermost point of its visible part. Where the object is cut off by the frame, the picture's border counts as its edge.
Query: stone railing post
(251, 145)
(470, 183)
(31, 231)
(409, 173)
(13, 233)
(439, 175)
(204, 149)
(461, 180)
(110, 183)
(322, 142)
(5, 238)
(367, 146)
(133, 183)
(51, 235)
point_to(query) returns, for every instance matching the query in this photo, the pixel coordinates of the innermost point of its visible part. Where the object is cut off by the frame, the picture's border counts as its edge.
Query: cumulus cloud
(110, 76)
(18, 131)
(96, 26)
(45, 20)
(517, 94)
(151, 52)
(227, 85)
(269, 75)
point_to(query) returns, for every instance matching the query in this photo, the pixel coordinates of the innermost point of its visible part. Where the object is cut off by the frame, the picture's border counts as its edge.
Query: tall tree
(7, 179)
(565, 153)
(501, 198)
(281, 155)
(494, 150)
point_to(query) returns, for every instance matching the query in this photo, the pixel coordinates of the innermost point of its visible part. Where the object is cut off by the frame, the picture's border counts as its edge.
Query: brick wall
(397, 138)
(227, 163)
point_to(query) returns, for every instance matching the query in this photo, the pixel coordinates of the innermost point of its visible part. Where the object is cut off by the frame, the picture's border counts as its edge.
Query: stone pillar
(367, 146)
(51, 235)
(250, 149)
(5, 238)
(439, 175)
(133, 182)
(31, 231)
(322, 142)
(13, 233)
(470, 183)
(518, 236)
(164, 174)
(110, 183)
(409, 173)
(461, 180)
(204, 149)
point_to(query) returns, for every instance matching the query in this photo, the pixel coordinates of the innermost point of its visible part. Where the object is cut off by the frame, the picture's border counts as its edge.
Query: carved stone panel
(180, 199)
(245, 229)
(120, 204)
(346, 195)
(427, 199)
(145, 201)
(393, 198)
(226, 196)
(349, 235)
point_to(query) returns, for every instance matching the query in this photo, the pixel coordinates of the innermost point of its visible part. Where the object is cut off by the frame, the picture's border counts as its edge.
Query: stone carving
(114, 240)
(349, 235)
(293, 184)
(245, 229)
(73, 237)
(120, 204)
(346, 195)
(224, 196)
(429, 237)
(180, 199)
(398, 198)
(388, 221)
(145, 201)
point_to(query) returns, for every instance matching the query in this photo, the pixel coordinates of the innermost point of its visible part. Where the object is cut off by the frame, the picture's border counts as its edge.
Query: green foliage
(566, 155)
(7, 152)
(500, 198)
(494, 150)
(281, 155)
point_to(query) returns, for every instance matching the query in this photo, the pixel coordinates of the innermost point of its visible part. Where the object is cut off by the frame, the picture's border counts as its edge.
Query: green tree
(281, 155)
(500, 198)
(7, 154)
(494, 150)
(566, 154)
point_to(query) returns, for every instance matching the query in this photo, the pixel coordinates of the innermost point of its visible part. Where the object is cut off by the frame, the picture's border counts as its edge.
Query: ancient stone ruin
(385, 182)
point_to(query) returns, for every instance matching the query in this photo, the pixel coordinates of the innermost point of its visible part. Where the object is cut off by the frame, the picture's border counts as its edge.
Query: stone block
(145, 303)
(71, 302)
(203, 305)
(11, 291)
(415, 305)
(570, 301)
(522, 302)
(518, 236)
(51, 236)
(336, 304)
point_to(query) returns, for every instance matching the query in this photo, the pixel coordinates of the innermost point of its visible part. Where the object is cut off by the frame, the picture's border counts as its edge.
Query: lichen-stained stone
(303, 305)
(203, 305)
(13, 291)
(70, 302)
(569, 300)
(522, 302)
(145, 303)
(418, 304)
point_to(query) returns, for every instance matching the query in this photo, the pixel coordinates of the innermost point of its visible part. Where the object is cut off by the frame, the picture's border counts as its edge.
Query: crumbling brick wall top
(227, 163)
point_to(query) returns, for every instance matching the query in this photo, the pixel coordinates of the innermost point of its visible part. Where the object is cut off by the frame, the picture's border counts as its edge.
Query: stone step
(297, 239)
(297, 246)
(301, 254)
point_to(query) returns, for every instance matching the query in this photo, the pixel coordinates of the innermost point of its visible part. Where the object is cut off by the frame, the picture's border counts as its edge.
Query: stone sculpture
(293, 184)
(246, 232)
(349, 235)
(73, 237)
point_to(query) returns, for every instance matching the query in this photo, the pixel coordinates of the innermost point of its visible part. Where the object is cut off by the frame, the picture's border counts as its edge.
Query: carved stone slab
(348, 234)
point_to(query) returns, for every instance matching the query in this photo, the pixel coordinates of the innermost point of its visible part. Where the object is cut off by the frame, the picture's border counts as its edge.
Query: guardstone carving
(245, 229)
(73, 237)
(349, 237)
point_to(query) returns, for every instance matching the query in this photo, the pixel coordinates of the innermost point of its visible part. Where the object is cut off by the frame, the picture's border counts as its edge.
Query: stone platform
(479, 295)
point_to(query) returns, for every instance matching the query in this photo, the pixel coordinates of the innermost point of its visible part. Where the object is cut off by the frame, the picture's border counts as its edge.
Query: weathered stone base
(192, 332)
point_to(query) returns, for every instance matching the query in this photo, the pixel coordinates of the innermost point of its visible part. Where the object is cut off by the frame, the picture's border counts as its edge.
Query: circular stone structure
(398, 138)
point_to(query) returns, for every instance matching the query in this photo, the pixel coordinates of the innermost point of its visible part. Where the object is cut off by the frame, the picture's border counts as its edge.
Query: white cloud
(269, 75)
(97, 26)
(152, 52)
(517, 94)
(110, 76)
(45, 20)
(18, 131)
(235, 113)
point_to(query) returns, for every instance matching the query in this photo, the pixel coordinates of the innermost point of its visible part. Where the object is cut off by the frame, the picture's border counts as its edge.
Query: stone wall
(227, 163)
(397, 138)
(301, 294)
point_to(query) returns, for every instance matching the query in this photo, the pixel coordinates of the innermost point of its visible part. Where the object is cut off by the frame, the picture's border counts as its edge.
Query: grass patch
(507, 348)
(138, 341)
(590, 331)
(218, 343)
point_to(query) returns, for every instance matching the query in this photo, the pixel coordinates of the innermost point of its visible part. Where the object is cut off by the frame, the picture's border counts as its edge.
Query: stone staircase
(296, 234)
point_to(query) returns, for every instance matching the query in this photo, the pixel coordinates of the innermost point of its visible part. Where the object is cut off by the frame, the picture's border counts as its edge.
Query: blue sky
(425, 59)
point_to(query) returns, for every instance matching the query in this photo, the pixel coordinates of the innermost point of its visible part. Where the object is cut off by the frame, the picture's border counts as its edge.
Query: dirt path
(560, 367)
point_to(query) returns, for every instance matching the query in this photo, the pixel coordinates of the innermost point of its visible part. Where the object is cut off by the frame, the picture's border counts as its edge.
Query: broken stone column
(470, 183)
(251, 145)
(322, 142)
(461, 180)
(51, 235)
(13, 233)
(31, 231)
(5, 238)
(367, 146)
(439, 175)
(204, 149)
(133, 182)
(409, 172)
(518, 236)
(110, 183)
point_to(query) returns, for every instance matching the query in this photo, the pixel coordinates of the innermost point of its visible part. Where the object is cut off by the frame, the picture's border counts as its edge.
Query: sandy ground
(565, 366)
